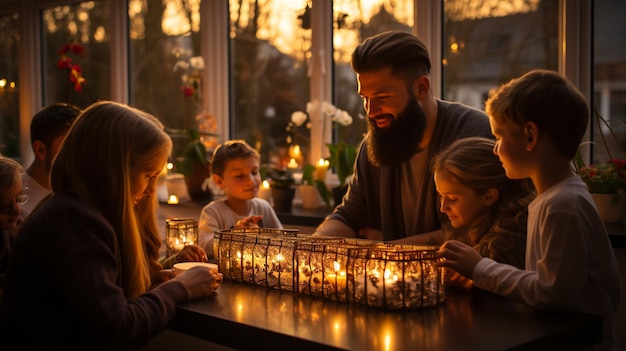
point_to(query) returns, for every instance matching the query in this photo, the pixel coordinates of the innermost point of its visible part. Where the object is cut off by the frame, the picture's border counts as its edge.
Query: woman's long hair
(95, 162)
(500, 233)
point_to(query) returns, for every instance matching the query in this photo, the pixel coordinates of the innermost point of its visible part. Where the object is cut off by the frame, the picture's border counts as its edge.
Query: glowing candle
(265, 192)
(292, 164)
(172, 200)
(321, 170)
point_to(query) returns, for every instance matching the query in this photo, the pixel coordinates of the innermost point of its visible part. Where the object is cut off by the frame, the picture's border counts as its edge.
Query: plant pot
(610, 208)
(198, 183)
(339, 192)
(310, 196)
(283, 199)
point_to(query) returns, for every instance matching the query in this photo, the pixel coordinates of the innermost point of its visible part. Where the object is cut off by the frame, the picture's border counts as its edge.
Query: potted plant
(313, 190)
(342, 158)
(193, 162)
(606, 181)
(342, 155)
(282, 185)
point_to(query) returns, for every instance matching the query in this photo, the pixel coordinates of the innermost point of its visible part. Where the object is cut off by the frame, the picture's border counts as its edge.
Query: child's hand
(191, 253)
(248, 222)
(458, 256)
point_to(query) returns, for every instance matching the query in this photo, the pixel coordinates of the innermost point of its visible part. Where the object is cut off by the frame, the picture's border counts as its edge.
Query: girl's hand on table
(191, 253)
(458, 256)
(199, 281)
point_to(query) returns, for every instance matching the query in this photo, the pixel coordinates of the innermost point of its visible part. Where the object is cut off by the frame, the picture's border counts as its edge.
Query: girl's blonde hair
(95, 162)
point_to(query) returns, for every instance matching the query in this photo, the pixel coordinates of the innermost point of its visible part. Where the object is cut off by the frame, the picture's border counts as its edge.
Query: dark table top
(244, 316)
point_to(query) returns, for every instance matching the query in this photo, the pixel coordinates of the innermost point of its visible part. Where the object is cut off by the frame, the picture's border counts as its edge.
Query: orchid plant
(201, 126)
(342, 154)
(74, 71)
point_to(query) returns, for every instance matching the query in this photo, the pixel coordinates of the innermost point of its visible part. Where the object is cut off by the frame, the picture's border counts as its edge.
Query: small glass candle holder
(180, 232)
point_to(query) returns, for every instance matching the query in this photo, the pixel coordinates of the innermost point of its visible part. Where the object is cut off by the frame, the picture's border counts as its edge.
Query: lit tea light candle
(172, 200)
(292, 164)
(321, 170)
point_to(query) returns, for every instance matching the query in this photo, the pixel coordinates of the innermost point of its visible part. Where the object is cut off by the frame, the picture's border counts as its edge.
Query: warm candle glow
(264, 191)
(321, 170)
(172, 200)
(292, 164)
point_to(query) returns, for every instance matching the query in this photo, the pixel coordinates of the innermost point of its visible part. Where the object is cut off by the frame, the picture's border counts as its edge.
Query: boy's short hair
(52, 121)
(547, 99)
(228, 151)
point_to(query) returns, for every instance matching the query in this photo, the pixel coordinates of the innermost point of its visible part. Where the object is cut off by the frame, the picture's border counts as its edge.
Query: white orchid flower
(298, 117)
(342, 117)
(197, 62)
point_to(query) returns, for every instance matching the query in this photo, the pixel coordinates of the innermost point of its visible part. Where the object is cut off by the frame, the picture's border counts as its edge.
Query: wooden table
(246, 317)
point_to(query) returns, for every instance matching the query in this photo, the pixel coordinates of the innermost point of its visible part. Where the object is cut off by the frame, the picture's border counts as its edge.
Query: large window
(267, 58)
(488, 43)
(609, 69)
(9, 92)
(76, 53)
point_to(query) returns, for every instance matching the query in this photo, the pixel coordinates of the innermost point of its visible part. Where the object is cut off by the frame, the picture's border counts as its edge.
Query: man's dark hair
(407, 56)
(52, 121)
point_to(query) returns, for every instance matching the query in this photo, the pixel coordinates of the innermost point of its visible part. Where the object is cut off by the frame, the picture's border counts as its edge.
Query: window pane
(354, 22)
(270, 42)
(80, 32)
(609, 78)
(487, 43)
(9, 97)
(166, 65)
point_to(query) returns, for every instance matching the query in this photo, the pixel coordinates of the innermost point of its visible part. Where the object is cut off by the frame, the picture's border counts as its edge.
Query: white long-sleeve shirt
(217, 215)
(570, 263)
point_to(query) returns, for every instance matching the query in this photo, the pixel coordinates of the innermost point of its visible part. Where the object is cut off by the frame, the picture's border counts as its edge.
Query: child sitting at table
(83, 273)
(235, 168)
(570, 264)
(12, 196)
(487, 210)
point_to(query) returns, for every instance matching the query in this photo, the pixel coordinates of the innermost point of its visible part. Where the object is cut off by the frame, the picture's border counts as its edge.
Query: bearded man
(392, 195)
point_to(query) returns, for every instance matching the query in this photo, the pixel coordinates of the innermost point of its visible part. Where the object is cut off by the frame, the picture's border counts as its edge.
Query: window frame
(575, 58)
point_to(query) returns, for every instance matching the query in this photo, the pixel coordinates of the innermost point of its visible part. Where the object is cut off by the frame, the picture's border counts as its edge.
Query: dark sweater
(63, 285)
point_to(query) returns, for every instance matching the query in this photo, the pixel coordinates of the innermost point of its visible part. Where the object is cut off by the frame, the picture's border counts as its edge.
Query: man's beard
(400, 141)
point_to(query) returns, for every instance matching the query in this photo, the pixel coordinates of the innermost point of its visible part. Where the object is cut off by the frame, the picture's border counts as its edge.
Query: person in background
(486, 209)
(47, 130)
(84, 269)
(12, 196)
(570, 263)
(392, 195)
(235, 168)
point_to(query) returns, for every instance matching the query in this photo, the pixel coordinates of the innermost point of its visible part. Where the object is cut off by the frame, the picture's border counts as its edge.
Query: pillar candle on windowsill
(320, 170)
(265, 192)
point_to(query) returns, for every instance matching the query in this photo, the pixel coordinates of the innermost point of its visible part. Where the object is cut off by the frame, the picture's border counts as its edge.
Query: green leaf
(324, 193)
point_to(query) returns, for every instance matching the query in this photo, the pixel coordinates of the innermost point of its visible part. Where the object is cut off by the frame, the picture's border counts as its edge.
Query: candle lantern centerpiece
(372, 273)
(180, 232)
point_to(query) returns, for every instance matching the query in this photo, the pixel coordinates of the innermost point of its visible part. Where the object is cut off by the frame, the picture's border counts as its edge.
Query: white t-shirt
(570, 263)
(217, 215)
(36, 193)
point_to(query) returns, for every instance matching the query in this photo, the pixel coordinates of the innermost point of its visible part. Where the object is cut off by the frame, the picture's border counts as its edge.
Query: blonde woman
(84, 271)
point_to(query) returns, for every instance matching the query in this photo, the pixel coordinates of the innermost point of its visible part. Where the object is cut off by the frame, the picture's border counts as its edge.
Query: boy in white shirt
(570, 263)
(235, 168)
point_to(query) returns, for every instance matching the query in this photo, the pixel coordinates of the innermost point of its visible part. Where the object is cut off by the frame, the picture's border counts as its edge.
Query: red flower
(75, 75)
(188, 91)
